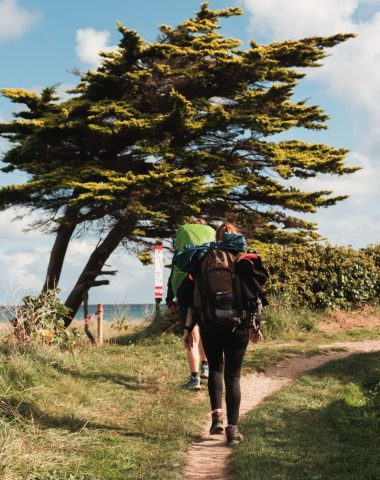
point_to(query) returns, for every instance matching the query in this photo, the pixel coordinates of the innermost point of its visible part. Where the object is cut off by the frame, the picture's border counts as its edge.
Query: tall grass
(281, 320)
(325, 426)
(115, 412)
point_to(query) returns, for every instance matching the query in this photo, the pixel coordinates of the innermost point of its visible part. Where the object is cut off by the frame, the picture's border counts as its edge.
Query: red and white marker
(158, 271)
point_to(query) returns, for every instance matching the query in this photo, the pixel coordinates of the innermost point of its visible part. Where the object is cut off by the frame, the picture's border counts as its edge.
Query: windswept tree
(165, 129)
(75, 191)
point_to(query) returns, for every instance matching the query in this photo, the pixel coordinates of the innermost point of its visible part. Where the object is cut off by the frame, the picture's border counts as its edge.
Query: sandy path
(207, 457)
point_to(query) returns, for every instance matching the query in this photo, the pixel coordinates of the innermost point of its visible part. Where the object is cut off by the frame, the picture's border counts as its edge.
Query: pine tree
(162, 130)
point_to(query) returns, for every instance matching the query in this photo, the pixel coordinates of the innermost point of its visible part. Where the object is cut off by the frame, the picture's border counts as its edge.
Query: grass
(288, 331)
(117, 412)
(110, 413)
(325, 426)
(281, 321)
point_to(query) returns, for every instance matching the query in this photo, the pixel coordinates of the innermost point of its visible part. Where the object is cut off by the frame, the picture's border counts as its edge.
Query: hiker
(225, 333)
(180, 294)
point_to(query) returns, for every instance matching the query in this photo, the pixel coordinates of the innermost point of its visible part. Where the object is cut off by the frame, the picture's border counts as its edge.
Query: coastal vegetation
(161, 131)
(319, 277)
(118, 412)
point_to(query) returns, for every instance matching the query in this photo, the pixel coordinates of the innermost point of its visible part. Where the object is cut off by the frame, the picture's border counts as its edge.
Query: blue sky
(41, 42)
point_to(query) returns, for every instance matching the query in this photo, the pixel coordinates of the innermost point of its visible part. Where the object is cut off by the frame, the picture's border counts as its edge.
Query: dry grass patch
(339, 320)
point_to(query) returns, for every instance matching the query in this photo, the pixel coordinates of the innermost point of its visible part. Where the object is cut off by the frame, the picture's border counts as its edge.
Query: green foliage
(169, 129)
(145, 257)
(323, 276)
(163, 130)
(40, 319)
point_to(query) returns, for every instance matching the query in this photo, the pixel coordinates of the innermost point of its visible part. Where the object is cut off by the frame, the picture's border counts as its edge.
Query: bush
(41, 319)
(323, 276)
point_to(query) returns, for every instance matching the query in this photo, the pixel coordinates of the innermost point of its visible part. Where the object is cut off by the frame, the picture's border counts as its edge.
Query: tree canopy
(163, 130)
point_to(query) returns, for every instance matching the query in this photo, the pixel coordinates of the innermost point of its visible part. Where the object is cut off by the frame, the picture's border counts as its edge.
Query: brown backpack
(217, 290)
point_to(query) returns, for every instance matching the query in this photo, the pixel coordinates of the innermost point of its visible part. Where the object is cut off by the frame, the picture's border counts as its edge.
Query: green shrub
(41, 319)
(324, 276)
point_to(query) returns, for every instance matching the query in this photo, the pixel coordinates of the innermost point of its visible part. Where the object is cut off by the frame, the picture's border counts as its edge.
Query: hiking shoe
(216, 423)
(204, 371)
(194, 383)
(232, 435)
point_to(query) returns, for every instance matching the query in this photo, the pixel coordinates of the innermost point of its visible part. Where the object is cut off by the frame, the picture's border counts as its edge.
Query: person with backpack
(180, 295)
(228, 298)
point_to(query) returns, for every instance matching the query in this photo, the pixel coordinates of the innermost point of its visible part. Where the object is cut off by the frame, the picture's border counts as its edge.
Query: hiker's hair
(225, 227)
(198, 221)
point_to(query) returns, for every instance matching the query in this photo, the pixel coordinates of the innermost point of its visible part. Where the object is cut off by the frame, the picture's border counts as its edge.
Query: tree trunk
(87, 319)
(93, 268)
(58, 252)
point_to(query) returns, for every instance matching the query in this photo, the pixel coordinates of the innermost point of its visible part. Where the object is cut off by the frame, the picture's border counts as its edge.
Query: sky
(41, 43)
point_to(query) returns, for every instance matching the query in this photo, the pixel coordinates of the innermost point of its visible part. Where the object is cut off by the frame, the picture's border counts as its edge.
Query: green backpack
(190, 233)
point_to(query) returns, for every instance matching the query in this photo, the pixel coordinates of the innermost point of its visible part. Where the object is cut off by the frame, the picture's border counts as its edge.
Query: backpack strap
(236, 287)
(201, 285)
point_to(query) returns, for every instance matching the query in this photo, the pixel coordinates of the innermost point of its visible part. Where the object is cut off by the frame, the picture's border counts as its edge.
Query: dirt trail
(207, 458)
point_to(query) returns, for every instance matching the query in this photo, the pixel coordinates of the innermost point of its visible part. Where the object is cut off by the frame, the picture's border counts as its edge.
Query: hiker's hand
(172, 307)
(256, 336)
(188, 339)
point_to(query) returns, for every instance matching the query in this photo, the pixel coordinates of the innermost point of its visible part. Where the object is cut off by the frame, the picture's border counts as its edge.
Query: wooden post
(158, 305)
(100, 323)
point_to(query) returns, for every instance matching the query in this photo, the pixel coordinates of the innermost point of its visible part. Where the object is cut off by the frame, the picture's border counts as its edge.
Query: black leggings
(218, 340)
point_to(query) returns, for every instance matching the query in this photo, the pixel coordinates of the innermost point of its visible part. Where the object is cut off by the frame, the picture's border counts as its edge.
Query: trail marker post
(158, 274)
(100, 323)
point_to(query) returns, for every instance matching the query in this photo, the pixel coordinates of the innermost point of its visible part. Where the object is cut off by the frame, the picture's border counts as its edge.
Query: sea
(135, 312)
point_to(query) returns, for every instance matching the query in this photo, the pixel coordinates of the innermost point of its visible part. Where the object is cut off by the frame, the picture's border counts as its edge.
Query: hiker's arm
(255, 336)
(172, 305)
(188, 328)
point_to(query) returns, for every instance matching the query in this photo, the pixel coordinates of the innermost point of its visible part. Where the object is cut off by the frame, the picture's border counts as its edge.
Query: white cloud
(4, 145)
(89, 43)
(352, 72)
(14, 230)
(284, 19)
(133, 283)
(24, 258)
(21, 270)
(357, 228)
(15, 20)
(352, 75)
(361, 185)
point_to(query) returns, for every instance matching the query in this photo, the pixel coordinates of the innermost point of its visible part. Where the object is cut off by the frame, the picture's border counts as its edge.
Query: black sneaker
(194, 383)
(232, 435)
(216, 423)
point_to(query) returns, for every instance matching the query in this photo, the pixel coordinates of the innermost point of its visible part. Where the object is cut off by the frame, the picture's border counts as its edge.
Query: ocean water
(130, 313)
(136, 312)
